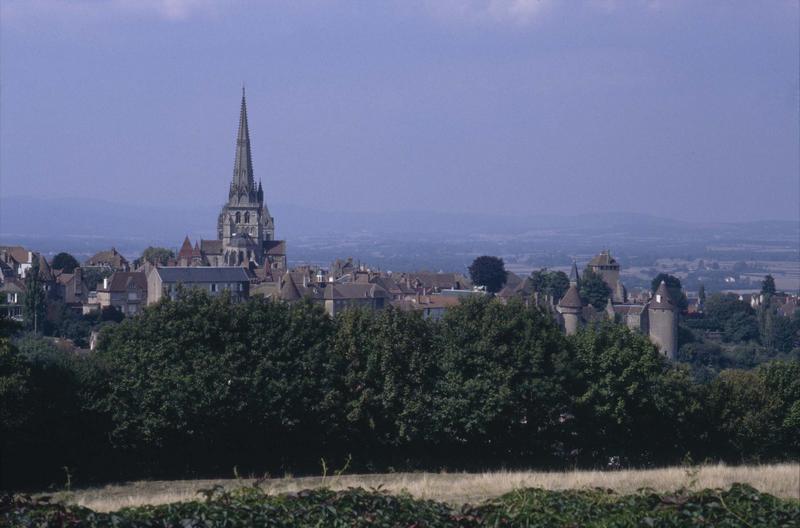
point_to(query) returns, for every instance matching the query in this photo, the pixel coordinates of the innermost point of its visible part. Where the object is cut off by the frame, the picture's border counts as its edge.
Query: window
(133, 296)
(247, 218)
(238, 217)
(213, 287)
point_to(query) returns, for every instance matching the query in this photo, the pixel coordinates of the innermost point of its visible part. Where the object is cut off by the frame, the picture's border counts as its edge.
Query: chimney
(105, 283)
(30, 257)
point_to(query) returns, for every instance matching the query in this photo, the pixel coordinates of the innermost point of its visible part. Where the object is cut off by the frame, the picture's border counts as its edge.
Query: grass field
(780, 480)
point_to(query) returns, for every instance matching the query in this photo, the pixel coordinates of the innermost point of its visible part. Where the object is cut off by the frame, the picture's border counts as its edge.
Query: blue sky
(676, 108)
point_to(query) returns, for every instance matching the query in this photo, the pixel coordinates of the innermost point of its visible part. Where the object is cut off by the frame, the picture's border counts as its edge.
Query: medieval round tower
(570, 306)
(663, 316)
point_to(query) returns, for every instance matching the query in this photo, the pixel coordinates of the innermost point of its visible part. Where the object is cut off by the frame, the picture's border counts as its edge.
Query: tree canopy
(157, 256)
(489, 272)
(768, 285)
(65, 262)
(548, 282)
(594, 290)
(200, 385)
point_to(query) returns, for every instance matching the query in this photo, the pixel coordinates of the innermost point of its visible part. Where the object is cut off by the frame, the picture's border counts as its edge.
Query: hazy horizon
(677, 110)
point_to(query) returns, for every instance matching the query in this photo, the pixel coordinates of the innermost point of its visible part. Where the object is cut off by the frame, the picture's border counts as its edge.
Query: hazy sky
(682, 109)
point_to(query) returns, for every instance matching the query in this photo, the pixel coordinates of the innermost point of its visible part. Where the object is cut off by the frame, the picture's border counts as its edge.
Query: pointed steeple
(243, 182)
(574, 277)
(186, 249)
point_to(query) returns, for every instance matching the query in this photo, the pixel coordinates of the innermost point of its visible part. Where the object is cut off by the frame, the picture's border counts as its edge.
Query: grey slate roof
(662, 300)
(111, 258)
(571, 299)
(211, 247)
(354, 290)
(202, 274)
(625, 309)
(121, 280)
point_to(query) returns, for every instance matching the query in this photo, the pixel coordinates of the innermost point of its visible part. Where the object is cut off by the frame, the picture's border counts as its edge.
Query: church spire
(243, 182)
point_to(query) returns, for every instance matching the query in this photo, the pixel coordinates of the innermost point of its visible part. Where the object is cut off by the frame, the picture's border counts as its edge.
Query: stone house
(12, 293)
(111, 259)
(165, 281)
(72, 289)
(338, 297)
(124, 290)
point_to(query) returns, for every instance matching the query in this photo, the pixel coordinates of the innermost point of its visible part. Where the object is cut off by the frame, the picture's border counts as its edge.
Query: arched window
(238, 217)
(247, 218)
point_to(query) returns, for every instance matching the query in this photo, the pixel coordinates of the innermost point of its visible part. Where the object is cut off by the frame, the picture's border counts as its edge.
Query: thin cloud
(517, 12)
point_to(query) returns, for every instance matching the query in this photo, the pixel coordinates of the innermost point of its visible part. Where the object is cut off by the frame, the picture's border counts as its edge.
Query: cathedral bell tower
(244, 224)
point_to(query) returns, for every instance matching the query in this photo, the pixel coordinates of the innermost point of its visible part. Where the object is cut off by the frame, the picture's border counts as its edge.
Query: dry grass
(782, 480)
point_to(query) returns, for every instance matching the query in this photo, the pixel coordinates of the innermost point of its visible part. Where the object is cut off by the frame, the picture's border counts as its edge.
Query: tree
(630, 402)
(157, 256)
(594, 290)
(204, 376)
(741, 327)
(701, 295)
(65, 262)
(553, 283)
(94, 276)
(757, 412)
(489, 272)
(35, 302)
(768, 285)
(501, 389)
(674, 288)
(65, 322)
(736, 319)
(389, 372)
(14, 381)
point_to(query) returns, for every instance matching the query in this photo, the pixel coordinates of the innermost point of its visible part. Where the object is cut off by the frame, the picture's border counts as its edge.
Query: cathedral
(245, 229)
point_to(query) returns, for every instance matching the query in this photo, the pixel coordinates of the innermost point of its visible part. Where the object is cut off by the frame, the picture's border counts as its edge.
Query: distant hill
(390, 239)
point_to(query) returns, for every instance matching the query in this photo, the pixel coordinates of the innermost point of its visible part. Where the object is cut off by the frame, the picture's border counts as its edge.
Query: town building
(12, 293)
(125, 291)
(338, 297)
(72, 289)
(166, 281)
(110, 259)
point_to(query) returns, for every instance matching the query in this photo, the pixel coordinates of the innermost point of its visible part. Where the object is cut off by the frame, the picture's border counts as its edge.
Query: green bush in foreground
(741, 505)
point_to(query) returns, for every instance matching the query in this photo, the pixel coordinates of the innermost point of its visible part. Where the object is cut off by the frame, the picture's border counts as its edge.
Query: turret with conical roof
(574, 276)
(663, 315)
(570, 307)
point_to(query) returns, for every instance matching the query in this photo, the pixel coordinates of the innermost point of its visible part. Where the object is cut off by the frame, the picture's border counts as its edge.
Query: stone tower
(570, 307)
(663, 315)
(244, 224)
(607, 267)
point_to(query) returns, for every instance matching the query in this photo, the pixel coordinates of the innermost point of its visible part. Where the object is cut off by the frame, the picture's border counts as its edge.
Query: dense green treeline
(200, 386)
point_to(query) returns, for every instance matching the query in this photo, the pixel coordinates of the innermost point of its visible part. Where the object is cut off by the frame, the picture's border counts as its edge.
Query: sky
(680, 109)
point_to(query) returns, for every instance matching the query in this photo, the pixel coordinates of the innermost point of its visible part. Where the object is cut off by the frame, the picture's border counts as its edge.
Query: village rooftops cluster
(246, 260)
